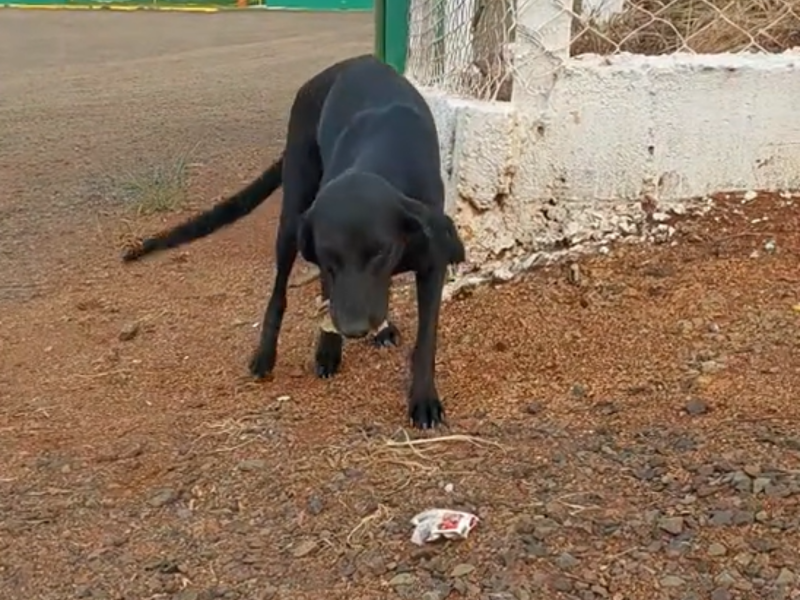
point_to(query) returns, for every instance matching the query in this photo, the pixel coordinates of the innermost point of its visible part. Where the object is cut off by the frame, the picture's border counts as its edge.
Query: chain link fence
(474, 48)
(462, 46)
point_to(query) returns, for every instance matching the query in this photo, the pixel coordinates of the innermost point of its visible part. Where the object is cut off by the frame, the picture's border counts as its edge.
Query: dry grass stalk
(654, 27)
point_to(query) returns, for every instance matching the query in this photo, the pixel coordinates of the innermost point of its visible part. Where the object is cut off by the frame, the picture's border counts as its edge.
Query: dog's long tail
(226, 212)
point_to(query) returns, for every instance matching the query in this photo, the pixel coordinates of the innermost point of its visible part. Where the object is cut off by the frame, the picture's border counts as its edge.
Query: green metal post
(391, 32)
(379, 12)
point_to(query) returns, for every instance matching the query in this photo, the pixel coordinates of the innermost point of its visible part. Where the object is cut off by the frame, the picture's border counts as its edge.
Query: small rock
(315, 505)
(574, 274)
(711, 366)
(654, 547)
(741, 481)
(696, 406)
(373, 563)
(716, 549)
(672, 525)
(163, 497)
(562, 584)
(525, 525)
(578, 390)
(704, 491)
(117, 541)
(743, 517)
(677, 547)
(545, 528)
(253, 464)
(533, 408)
(536, 549)
(566, 561)
(750, 195)
(721, 518)
(646, 473)
(671, 581)
(462, 570)
(129, 331)
(304, 548)
(785, 577)
(777, 491)
(269, 591)
(743, 559)
(760, 484)
(401, 579)
(752, 470)
(725, 579)
(721, 594)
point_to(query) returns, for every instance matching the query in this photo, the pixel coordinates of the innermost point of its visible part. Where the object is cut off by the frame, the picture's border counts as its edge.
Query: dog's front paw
(328, 357)
(426, 412)
(262, 363)
(387, 336)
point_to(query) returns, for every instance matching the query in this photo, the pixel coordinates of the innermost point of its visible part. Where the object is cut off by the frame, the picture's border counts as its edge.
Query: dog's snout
(355, 330)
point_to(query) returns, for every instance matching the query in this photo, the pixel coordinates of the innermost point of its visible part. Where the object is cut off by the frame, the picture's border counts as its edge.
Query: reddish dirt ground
(629, 435)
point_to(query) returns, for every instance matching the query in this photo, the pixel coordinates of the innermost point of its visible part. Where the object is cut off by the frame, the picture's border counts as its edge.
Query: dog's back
(371, 117)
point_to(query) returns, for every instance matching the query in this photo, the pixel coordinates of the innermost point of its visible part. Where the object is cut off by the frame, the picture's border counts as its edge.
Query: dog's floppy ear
(305, 240)
(436, 227)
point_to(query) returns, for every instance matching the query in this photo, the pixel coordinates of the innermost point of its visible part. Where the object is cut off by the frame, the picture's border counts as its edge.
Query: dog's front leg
(328, 357)
(263, 360)
(424, 407)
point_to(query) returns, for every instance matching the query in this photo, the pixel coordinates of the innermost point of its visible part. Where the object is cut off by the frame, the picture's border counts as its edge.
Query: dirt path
(630, 435)
(88, 97)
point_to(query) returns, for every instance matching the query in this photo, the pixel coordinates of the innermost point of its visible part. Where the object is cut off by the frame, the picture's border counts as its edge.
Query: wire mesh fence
(476, 48)
(698, 26)
(462, 46)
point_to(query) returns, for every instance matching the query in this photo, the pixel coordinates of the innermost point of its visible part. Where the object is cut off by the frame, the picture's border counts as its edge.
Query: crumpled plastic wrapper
(437, 523)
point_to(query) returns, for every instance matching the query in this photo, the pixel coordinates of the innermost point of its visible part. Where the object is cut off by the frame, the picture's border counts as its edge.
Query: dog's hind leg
(386, 336)
(301, 177)
(263, 360)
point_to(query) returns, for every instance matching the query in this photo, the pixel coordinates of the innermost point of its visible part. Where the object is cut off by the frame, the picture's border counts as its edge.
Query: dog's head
(358, 231)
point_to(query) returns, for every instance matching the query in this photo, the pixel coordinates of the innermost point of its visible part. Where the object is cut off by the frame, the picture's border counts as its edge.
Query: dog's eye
(330, 266)
(380, 255)
(331, 262)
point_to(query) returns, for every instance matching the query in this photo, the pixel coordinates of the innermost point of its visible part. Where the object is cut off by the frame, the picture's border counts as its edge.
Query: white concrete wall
(524, 179)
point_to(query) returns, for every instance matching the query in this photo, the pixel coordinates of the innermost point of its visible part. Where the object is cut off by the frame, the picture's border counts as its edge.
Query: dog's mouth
(327, 325)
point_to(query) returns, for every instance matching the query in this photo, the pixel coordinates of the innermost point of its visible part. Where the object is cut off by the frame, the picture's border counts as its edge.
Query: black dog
(363, 200)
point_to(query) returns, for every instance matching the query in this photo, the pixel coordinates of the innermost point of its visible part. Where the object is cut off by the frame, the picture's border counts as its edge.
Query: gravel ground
(627, 434)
